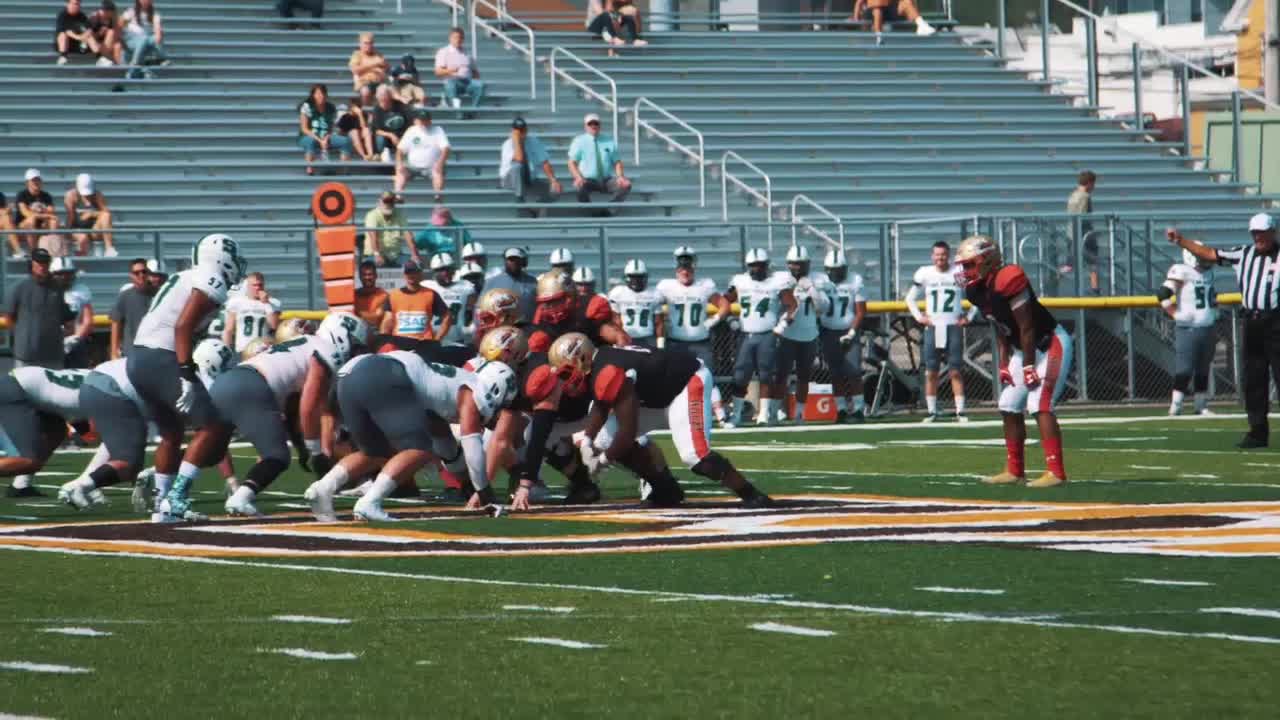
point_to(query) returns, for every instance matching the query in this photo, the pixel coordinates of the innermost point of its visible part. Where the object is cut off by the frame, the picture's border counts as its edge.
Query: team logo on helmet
(570, 357)
(504, 344)
(292, 328)
(555, 296)
(498, 306)
(978, 258)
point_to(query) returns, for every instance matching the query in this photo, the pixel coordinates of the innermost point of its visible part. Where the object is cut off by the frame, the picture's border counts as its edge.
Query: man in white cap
(596, 165)
(1257, 269)
(87, 211)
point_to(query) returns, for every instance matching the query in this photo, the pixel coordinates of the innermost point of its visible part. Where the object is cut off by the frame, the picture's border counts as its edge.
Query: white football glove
(781, 327)
(662, 343)
(712, 321)
(593, 458)
(187, 396)
(70, 343)
(735, 324)
(849, 338)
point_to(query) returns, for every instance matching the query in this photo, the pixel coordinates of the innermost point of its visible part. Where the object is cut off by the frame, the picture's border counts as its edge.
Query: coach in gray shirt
(131, 304)
(35, 309)
(513, 277)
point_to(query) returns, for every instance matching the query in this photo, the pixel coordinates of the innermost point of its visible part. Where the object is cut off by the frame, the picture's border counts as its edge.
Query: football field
(888, 583)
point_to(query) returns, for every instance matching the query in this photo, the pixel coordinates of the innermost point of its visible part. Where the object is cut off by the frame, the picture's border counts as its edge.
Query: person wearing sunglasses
(131, 305)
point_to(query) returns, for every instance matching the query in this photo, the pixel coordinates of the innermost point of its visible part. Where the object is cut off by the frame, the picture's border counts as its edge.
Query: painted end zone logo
(1225, 529)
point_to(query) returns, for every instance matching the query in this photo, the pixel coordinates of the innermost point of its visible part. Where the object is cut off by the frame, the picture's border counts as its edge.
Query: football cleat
(1005, 478)
(140, 498)
(1205, 411)
(1048, 479)
(167, 513)
(930, 418)
(321, 502)
(241, 503)
(28, 491)
(759, 501)
(962, 418)
(73, 494)
(856, 417)
(582, 494)
(359, 490)
(370, 510)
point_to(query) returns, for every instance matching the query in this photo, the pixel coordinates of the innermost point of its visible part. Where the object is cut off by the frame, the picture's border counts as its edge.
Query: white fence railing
(765, 198)
(698, 155)
(497, 29)
(611, 101)
(796, 222)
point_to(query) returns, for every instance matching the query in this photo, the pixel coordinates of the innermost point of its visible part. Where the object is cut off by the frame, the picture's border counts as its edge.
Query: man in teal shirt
(444, 234)
(596, 165)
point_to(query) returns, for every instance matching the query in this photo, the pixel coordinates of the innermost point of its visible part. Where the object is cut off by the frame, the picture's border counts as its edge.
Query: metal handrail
(611, 101)
(455, 6)
(699, 157)
(795, 220)
(503, 16)
(726, 177)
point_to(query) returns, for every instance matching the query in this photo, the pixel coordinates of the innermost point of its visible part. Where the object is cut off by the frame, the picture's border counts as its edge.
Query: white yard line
(1248, 612)
(961, 591)
(973, 424)
(313, 619)
(9, 716)
(559, 642)
(25, 518)
(1170, 583)
(24, 666)
(1150, 467)
(306, 654)
(558, 609)
(76, 631)
(791, 629)
(1133, 438)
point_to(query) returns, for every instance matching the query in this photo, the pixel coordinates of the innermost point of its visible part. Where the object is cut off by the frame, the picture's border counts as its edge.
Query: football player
(797, 346)
(35, 406)
(636, 308)
(473, 252)
(495, 308)
(1194, 336)
(161, 367)
(943, 320)
(398, 408)
(763, 299)
(562, 259)
(250, 315)
(645, 389)
(111, 403)
(1034, 356)
(585, 280)
(687, 322)
(839, 334)
(459, 296)
(474, 274)
(559, 311)
(79, 300)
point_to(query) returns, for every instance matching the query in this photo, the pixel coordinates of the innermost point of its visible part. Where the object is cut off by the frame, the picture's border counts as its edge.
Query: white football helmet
(684, 251)
(798, 254)
(494, 388)
(1187, 258)
(756, 255)
(560, 257)
(471, 250)
(221, 254)
(471, 270)
(583, 276)
(441, 261)
(342, 332)
(63, 265)
(637, 274)
(835, 259)
(757, 263)
(212, 357)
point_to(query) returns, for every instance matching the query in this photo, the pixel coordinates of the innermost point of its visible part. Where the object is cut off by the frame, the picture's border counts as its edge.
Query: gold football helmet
(504, 344)
(292, 328)
(570, 358)
(978, 258)
(498, 306)
(256, 347)
(555, 296)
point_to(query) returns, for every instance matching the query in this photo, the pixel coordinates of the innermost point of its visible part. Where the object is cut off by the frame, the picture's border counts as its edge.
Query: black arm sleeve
(1163, 293)
(543, 421)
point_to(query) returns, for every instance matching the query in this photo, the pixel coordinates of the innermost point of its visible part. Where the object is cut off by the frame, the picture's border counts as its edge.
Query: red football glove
(1006, 377)
(1030, 377)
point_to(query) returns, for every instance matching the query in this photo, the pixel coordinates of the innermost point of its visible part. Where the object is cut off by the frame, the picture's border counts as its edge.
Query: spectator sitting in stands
(72, 33)
(6, 225)
(104, 23)
(408, 86)
(87, 211)
(351, 125)
(615, 27)
(48, 238)
(459, 72)
(388, 120)
(624, 7)
(34, 204)
(287, 7)
(368, 66)
(316, 120)
(371, 300)
(525, 166)
(386, 234)
(424, 150)
(882, 11)
(595, 165)
(444, 235)
(143, 37)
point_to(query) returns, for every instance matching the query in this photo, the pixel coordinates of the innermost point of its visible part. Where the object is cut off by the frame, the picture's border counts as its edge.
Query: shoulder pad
(608, 384)
(598, 309)
(539, 341)
(1010, 280)
(540, 383)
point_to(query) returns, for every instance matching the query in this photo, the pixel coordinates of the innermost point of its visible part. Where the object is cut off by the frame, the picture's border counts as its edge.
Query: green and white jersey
(161, 321)
(56, 392)
(251, 319)
(687, 308)
(1197, 298)
(943, 296)
(637, 309)
(760, 301)
(458, 298)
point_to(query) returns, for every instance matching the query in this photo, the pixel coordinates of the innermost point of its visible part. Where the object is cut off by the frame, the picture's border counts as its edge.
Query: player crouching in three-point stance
(1024, 329)
(644, 389)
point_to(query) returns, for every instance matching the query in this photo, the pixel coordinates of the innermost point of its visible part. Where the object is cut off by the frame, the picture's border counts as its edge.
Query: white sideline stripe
(8, 716)
(973, 424)
(635, 592)
(961, 591)
(76, 631)
(1199, 476)
(306, 654)
(791, 629)
(558, 642)
(1172, 583)
(1129, 438)
(1150, 467)
(17, 517)
(1249, 612)
(560, 609)
(311, 619)
(43, 667)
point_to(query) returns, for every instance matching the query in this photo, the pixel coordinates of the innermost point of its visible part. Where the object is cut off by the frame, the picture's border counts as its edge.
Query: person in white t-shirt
(638, 308)
(423, 150)
(250, 315)
(459, 72)
(943, 319)
(1195, 339)
(79, 300)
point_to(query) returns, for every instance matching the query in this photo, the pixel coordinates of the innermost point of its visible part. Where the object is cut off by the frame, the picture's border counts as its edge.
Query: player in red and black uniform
(560, 310)
(644, 389)
(1024, 329)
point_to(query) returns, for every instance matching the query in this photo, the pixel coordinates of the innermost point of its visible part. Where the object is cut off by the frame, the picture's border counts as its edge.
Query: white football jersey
(56, 392)
(158, 326)
(458, 297)
(943, 296)
(842, 300)
(437, 384)
(1197, 298)
(77, 296)
(637, 309)
(760, 301)
(687, 308)
(284, 365)
(804, 326)
(251, 319)
(117, 370)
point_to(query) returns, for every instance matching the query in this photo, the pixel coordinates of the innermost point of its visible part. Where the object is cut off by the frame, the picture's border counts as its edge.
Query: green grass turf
(186, 637)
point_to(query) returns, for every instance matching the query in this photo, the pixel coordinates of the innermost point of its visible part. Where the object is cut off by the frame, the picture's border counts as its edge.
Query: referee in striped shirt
(1257, 269)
